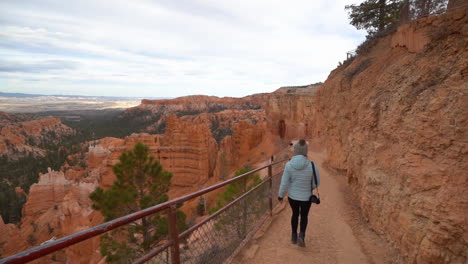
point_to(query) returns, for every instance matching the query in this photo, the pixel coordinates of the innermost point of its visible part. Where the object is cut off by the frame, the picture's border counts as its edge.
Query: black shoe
(301, 240)
(294, 238)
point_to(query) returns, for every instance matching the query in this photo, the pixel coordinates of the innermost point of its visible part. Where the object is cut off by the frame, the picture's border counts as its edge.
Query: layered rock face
(201, 103)
(250, 143)
(395, 122)
(290, 116)
(151, 115)
(222, 123)
(19, 135)
(188, 150)
(157, 111)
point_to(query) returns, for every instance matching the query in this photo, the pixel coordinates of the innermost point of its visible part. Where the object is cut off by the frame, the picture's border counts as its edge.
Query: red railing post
(174, 234)
(270, 179)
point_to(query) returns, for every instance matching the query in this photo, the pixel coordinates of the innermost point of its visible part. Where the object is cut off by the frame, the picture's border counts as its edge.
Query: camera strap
(314, 178)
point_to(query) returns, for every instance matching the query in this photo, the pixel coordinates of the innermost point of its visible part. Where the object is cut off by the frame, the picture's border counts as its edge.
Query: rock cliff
(395, 122)
(290, 115)
(202, 103)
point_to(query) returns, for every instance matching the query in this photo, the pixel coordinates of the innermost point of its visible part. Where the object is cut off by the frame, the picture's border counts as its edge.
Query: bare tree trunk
(424, 7)
(382, 13)
(146, 233)
(405, 12)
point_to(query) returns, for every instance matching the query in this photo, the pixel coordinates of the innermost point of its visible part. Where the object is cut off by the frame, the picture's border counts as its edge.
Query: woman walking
(297, 180)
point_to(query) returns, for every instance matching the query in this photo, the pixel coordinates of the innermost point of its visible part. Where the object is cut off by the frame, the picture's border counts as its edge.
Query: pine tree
(141, 183)
(377, 15)
(374, 15)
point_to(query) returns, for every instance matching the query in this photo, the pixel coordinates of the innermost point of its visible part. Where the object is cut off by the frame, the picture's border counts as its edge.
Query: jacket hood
(299, 162)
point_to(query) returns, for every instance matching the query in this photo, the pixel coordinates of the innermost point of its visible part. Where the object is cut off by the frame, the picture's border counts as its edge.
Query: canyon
(187, 149)
(393, 122)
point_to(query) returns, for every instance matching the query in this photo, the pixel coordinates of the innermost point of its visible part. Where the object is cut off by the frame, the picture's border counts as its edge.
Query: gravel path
(336, 232)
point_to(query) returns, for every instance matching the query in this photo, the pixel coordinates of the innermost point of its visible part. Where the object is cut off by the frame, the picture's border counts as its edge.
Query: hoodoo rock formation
(188, 150)
(57, 206)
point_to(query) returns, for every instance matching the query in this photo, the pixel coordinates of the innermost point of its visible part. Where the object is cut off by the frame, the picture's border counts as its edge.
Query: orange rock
(410, 37)
(290, 115)
(17, 134)
(393, 122)
(193, 105)
(56, 207)
(11, 239)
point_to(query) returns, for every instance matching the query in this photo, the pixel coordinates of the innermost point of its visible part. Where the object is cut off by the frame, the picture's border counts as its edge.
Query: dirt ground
(336, 232)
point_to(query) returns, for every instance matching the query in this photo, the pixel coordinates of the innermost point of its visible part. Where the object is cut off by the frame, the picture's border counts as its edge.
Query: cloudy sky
(170, 48)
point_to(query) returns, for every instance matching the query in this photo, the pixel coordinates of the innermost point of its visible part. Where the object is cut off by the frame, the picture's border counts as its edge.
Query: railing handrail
(187, 232)
(64, 242)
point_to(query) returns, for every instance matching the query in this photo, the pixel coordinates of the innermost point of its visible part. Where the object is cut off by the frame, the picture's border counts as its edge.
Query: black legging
(303, 208)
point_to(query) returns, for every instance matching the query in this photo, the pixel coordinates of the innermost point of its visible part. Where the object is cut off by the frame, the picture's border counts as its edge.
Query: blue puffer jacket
(297, 176)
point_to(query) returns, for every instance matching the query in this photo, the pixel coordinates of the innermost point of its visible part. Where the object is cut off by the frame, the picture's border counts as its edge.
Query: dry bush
(364, 64)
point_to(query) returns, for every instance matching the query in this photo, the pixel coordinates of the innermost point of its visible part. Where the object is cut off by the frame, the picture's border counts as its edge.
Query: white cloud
(170, 48)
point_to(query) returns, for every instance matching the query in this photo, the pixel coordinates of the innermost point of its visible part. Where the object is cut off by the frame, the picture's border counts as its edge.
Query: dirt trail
(336, 232)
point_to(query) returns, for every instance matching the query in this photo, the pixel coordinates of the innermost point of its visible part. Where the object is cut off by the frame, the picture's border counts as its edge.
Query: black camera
(314, 199)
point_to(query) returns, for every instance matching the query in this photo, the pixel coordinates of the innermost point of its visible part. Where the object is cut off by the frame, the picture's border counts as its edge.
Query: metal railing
(213, 240)
(351, 54)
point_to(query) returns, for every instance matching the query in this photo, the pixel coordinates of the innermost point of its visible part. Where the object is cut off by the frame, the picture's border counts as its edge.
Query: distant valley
(33, 103)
